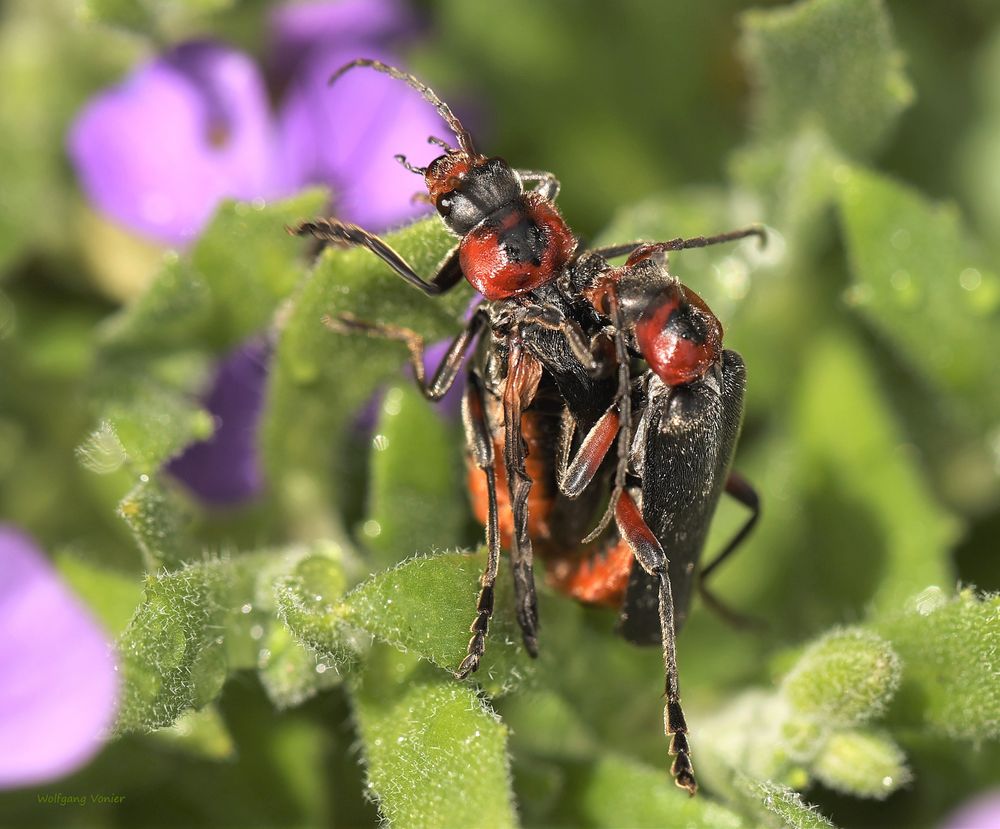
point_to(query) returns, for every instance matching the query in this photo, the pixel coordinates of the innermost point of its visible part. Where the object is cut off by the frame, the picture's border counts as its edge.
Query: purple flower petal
(298, 29)
(159, 152)
(225, 469)
(345, 136)
(58, 680)
(981, 813)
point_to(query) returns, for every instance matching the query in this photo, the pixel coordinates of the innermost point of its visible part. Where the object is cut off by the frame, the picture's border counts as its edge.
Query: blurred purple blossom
(299, 29)
(158, 153)
(161, 150)
(347, 137)
(225, 469)
(981, 813)
(58, 680)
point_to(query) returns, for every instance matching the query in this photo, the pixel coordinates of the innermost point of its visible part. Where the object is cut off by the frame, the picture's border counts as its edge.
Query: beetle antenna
(461, 133)
(411, 167)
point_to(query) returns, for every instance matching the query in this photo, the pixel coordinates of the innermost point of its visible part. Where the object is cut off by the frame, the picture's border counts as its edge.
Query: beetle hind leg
(649, 554)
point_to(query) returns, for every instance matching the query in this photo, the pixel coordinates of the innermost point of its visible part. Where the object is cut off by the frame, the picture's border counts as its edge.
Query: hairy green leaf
(784, 804)
(249, 264)
(426, 604)
(306, 600)
(918, 282)
(844, 679)
(435, 754)
(616, 791)
(320, 379)
(173, 312)
(951, 663)
(863, 764)
(830, 64)
(172, 651)
(415, 497)
(158, 517)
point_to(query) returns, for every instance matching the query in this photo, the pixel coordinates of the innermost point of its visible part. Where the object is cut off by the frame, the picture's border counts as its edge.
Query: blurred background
(141, 311)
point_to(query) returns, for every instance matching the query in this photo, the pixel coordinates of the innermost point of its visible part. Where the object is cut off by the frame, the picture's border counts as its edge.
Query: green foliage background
(287, 663)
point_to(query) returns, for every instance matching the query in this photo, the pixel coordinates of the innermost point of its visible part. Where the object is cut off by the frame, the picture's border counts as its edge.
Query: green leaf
(415, 496)
(830, 64)
(157, 353)
(306, 600)
(862, 764)
(174, 311)
(435, 754)
(918, 283)
(854, 525)
(202, 734)
(852, 462)
(426, 604)
(149, 16)
(321, 379)
(951, 660)
(149, 407)
(250, 264)
(784, 804)
(290, 672)
(111, 595)
(846, 678)
(616, 791)
(795, 181)
(172, 651)
(159, 517)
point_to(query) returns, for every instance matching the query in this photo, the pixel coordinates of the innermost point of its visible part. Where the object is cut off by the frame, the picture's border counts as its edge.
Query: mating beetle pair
(560, 339)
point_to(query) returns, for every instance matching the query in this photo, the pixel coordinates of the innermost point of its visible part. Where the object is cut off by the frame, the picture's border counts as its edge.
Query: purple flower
(981, 813)
(58, 680)
(300, 28)
(225, 469)
(160, 151)
(347, 136)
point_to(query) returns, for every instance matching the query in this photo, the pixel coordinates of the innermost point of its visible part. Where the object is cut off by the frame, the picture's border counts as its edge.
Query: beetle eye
(444, 205)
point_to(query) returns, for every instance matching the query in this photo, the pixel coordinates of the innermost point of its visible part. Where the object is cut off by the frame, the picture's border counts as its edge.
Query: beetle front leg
(449, 272)
(548, 184)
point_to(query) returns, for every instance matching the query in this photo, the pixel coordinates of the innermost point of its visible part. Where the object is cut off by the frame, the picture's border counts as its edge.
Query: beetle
(545, 344)
(690, 410)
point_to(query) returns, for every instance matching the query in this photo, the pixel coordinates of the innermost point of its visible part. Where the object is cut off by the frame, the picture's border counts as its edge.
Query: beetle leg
(613, 251)
(548, 184)
(649, 554)
(477, 433)
(445, 374)
(624, 402)
(574, 475)
(523, 375)
(449, 272)
(743, 491)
